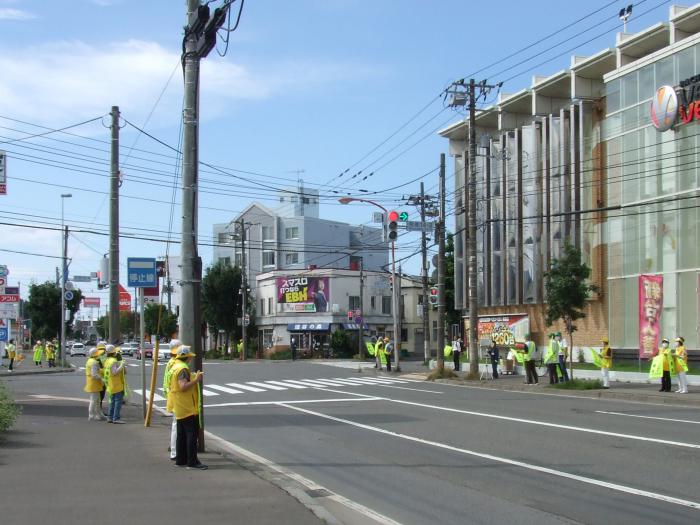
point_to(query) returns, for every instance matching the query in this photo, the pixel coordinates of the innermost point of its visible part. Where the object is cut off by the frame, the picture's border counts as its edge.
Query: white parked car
(77, 349)
(164, 352)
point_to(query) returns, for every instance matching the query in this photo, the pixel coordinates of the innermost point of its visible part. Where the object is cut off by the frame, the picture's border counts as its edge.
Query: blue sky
(310, 85)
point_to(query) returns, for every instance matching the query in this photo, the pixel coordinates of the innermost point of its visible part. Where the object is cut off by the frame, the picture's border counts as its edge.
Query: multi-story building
(577, 157)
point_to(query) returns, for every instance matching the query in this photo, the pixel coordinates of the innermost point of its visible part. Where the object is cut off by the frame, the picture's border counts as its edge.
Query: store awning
(308, 327)
(355, 326)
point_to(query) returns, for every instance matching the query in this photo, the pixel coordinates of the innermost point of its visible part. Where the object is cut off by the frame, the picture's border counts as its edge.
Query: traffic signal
(393, 225)
(433, 297)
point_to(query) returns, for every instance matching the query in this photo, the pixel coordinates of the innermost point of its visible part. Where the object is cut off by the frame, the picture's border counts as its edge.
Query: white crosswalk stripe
(265, 385)
(327, 382)
(246, 387)
(305, 383)
(205, 392)
(288, 385)
(156, 397)
(226, 389)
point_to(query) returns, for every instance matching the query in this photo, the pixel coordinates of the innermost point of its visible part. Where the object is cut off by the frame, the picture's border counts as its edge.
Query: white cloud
(50, 82)
(9, 13)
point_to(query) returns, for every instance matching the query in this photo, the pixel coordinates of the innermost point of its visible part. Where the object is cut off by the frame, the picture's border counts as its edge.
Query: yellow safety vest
(606, 357)
(91, 384)
(552, 355)
(167, 378)
(115, 383)
(531, 349)
(681, 359)
(11, 351)
(185, 403)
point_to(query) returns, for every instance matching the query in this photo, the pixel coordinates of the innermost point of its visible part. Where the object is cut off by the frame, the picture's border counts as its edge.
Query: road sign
(9, 310)
(91, 302)
(68, 295)
(69, 285)
(141, 272)
(4, 334)
(81, 279)
(414, 226)
(378, 217)
(403, 216)
(3, 173)
(246, 320)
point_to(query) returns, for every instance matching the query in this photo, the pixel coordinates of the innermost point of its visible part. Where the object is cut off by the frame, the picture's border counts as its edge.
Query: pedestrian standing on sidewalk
(50, 354)
(494, 355)
(605, 362)
(664, 356)
(175, 344)
(681, 365)
(388, 350)
(11, 354)
(293, 347)
(456, 352)
(378, 353)
(115, 381)
(529, 359)
(101, 362)
(184, 390)
(38, 354)
(551, 359)
(562, 356)
(93, 384)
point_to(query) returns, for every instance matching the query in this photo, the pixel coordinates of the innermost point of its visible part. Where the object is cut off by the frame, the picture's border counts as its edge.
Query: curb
(15, 373)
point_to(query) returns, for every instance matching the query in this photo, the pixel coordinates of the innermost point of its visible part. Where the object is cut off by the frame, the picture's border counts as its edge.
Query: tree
(44, 309)
(159, 321)
(128, 325)
(221, 286)
(567, 288)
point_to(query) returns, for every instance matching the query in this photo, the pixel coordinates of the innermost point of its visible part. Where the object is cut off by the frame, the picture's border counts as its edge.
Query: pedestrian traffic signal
(433, 297)
(393, 225)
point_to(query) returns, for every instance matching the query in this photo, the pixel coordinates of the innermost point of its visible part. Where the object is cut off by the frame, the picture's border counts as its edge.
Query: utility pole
(64, 267)
(441, 270)
(424, 277)
(114, 232)
(244, 292)
(471, 241)
(360, 352)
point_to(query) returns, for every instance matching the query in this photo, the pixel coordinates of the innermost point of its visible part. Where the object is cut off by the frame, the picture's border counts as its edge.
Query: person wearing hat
(605, 361)
(551, 357)
(175, 344)
(456, 352)
(184, 397)
(388, 350)
(38, 353)
(681, 365)
(378, 353)
(562, 356)
(93, 384)
(11, 354)
(101, 358)
(50, 354)
(115, 381)
(529, 360)
(665, 355)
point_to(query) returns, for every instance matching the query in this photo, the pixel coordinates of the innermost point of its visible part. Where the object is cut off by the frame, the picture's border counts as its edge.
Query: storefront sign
(504, 329)
(308, 327)
(679, 105)
(650, 304)
(303, 294)
(91, 302)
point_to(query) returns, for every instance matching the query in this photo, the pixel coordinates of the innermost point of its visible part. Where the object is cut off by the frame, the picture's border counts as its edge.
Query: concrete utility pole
(471, 240)
(191, 265)
(114, 334)
(244, 292)
(424, 277)
(360, 351)
(64, 264)
(441, 270)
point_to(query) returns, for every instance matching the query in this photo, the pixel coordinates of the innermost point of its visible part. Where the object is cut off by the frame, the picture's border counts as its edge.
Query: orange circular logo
(664, 108)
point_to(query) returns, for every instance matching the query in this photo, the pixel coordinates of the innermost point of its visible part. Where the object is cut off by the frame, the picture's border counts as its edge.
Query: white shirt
(562, 346)
(456, 346)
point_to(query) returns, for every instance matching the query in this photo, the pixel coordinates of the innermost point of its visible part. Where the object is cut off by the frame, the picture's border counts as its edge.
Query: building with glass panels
(576, 157)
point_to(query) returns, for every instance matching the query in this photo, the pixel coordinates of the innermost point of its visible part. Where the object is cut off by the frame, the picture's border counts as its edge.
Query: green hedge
(8, 409)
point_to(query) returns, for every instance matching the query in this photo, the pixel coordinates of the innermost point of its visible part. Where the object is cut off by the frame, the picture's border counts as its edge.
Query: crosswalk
(257, 387)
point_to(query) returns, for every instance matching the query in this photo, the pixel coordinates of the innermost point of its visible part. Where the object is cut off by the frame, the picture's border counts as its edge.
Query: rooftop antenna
(624, 15)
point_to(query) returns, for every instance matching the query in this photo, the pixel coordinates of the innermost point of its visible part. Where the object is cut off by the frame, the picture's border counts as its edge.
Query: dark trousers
(553, 376)
(531, 372)
(562, 367)
(388, 362)
(455, 360)
(186, 444)
(494, 366)
(294, 353)
(12, 361)
(666, 382)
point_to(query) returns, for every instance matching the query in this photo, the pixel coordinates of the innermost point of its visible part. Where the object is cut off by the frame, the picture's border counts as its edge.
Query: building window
(354, 302)
(269, 306)
(268, 233)
(262, 306)
(373, 303)
(386, 304)
(291, 258)
(238, 260)
(268, 258)
(291, 233)
(224, 238)
(404, 335)
(223, 260)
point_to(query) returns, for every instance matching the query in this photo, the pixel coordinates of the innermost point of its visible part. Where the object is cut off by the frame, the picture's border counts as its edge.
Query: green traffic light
(403, 216)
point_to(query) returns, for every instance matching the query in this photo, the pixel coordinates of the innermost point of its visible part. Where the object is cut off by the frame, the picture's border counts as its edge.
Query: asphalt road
(418, 452)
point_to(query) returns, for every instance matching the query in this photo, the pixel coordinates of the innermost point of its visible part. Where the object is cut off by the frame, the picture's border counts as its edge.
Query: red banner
(651, 300)
(124, 299)
(91, 302)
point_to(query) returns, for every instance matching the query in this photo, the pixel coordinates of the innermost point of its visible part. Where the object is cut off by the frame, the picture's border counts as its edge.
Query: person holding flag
(38, 353)
(663, 366)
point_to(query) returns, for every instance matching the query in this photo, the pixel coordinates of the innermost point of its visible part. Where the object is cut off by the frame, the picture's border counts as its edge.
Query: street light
(394, 302)
(64, 271)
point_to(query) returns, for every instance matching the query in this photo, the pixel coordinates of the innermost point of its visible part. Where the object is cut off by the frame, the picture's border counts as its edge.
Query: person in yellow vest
(665, 353)
(529, 361)
(388, 351)
(562, 356)
(605, 361)
(175, 344)
(115, 381)
(38, 353)
(239, 348)
(93, 384)
(101, 358)
(50, 354)
(11, 350)
(551, 359)
(184, 396)
(378, 353)
(681, 357)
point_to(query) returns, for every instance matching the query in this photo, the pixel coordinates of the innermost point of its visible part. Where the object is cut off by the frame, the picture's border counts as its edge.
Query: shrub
(8, 409)
(579, 384)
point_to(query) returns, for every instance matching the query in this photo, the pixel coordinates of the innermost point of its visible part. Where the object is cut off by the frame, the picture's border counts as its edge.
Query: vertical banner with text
(651, 300)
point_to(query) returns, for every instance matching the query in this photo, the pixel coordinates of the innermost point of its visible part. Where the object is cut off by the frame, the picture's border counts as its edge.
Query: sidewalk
(647, 393)
(60, 468)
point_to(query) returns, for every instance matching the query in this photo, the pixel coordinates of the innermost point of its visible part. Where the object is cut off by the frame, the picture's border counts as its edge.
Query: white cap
(109, 349)
(92, 352)
(174, 343)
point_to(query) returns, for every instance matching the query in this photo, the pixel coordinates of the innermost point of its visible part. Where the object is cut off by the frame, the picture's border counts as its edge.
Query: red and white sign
(10, 298)
(3, 282)
(124, 299)
(91, 302)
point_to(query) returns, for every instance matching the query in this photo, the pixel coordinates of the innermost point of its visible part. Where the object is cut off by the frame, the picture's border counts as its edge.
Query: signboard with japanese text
(303, 294)
(124, 299)
(504, 329)
(3, 173)
(91, 302)
(141, 272)
(9, 310)
(651, 301)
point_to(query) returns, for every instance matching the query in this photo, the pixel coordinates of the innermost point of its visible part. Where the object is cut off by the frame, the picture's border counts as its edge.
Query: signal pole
(244, 293)
(114, 334)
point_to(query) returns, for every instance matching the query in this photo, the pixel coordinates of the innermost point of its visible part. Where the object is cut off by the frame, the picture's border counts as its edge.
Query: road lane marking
(288, 385)
(325, 382)
(246, 387)
(412, 389)
(649, 417)
(225, 389)
(308, 383)
(235, 450)
(296, 402)
(265, 385)
(376, 381)
(156, 397)
(57, 398)
(499, 459)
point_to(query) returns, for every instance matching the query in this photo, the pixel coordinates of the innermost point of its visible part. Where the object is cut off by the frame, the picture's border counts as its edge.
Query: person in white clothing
(456, 352)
